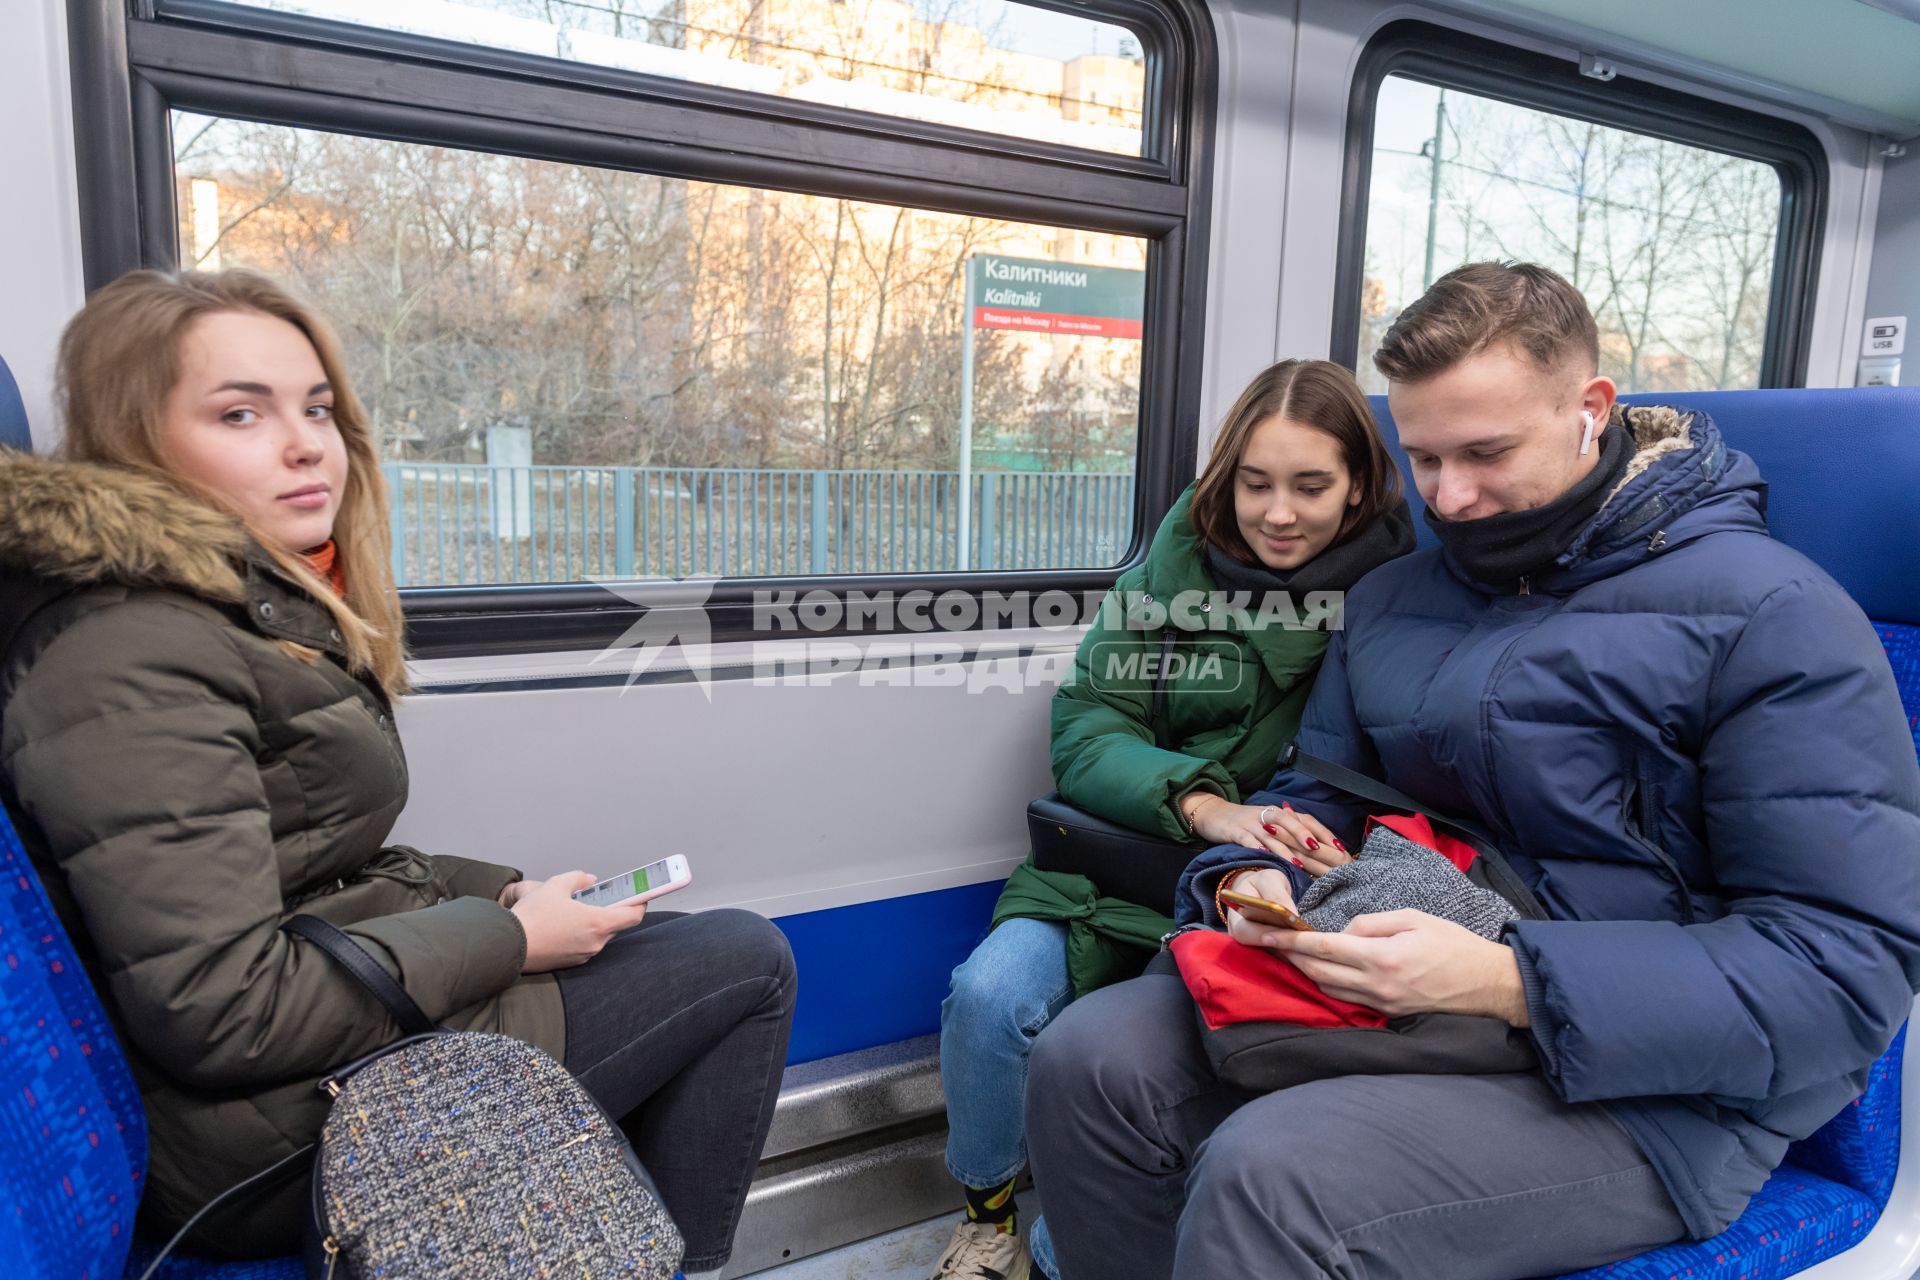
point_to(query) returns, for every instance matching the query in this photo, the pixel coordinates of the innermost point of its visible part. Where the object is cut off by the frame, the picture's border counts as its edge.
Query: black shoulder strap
(352, 957)
(282, 1171)
(1353, 782)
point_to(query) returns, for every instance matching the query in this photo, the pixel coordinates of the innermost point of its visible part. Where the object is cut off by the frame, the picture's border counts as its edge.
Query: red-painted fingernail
(1270, 829)
(1342, 848)
(1312, 844)
(1286, 806)
(1296, 862)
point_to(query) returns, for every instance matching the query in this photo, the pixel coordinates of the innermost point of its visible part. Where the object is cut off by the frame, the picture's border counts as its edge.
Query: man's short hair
(1473, 307)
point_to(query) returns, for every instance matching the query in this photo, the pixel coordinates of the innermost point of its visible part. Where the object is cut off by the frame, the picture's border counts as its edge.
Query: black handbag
(1122, 863)
(542, 1177)
(1262, 1057)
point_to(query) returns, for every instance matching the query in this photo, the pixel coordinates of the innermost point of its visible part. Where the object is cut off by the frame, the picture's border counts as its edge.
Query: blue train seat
(13, 413)
(73, 1136)
(1841, 467)
(73, 1142)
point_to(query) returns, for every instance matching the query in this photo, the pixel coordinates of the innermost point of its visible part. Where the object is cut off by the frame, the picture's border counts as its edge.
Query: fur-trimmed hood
(1657, 429)
(71, 528)
(182, 783)
(1682, 483)
(85, 524)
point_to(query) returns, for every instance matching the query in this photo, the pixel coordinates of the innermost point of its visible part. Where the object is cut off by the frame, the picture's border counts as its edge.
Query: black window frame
(136, 61)
(1487, 68)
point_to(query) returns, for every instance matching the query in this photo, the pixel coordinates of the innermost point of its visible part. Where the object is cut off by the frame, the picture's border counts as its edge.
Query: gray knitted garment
(1392, 873)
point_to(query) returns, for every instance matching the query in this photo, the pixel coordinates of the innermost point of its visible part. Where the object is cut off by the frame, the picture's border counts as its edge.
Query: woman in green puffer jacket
(200, 649)
(1300, 497)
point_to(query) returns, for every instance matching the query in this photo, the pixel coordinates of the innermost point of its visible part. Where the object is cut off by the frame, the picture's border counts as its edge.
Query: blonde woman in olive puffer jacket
(200, 645)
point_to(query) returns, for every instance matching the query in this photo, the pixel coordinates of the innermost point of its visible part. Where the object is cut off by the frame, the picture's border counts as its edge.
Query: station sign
(1037, 296)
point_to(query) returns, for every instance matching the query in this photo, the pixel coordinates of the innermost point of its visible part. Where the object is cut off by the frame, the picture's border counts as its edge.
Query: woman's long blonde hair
(120, 360)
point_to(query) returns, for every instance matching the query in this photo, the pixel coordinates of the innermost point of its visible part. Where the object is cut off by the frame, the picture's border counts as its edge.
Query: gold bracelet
(1180, 807)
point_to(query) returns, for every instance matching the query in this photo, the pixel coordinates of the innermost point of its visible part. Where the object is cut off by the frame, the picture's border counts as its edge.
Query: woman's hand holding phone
(1278, 829)
(561, 932)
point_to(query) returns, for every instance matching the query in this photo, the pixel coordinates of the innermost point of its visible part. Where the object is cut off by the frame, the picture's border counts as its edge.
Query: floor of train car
(906, 1254)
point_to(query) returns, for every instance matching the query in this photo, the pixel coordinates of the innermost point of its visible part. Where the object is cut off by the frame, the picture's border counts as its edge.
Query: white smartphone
(642, 884)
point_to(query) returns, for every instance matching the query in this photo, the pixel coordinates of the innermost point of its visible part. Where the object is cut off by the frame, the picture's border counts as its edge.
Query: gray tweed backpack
(464, 1154)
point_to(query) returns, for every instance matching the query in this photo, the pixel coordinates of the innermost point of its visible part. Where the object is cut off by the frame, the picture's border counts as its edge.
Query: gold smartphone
(1266, 912)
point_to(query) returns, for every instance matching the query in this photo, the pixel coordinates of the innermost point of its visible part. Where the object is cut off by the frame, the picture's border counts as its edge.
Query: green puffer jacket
(1225, 724)
(184, 784)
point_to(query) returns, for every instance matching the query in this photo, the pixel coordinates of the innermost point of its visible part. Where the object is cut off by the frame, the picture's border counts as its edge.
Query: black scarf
(1335, 569)
(1499, 550)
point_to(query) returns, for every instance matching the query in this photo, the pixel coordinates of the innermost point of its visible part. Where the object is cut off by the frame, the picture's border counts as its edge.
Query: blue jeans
(1003, 995)
(1040, 1249)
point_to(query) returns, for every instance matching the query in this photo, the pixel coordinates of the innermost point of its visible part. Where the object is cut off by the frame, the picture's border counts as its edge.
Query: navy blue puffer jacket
(1688, 738)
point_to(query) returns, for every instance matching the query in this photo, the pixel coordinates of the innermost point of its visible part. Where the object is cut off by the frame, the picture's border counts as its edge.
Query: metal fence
(460, 524)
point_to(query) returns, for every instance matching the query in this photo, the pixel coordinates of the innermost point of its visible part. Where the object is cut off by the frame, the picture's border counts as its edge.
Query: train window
(1684, 223)
(583, 372)
(989, 65)
(621, 328)
(1672, 245)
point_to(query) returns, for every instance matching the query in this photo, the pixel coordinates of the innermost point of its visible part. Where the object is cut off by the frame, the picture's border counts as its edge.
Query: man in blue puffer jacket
(1688, 740)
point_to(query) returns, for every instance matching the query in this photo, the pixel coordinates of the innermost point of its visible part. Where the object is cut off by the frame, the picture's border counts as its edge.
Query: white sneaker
(981, 1251)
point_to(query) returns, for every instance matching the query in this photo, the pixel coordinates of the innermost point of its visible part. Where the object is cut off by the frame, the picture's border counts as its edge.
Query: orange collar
(323, 560)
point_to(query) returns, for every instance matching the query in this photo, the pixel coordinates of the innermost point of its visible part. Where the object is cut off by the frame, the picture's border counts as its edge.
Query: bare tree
(1672, 245)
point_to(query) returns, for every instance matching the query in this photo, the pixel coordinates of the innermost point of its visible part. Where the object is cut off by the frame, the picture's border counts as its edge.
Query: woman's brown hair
(1314, 393)
(119, 361)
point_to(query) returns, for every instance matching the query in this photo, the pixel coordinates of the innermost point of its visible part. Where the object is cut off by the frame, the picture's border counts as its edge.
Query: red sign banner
(1048, 322)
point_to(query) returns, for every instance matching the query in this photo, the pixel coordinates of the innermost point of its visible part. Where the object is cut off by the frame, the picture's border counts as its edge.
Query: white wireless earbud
(1586, 438)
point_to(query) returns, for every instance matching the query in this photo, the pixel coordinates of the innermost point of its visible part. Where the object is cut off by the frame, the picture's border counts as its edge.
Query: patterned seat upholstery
(73, 1143)
(73, 1138)
(178, 1268)
(72, 1133)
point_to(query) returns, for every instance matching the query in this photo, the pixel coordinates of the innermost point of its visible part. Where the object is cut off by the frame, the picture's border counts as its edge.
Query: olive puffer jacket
(184, 783)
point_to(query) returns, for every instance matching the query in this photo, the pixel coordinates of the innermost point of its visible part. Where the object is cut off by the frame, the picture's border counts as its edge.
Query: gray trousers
(1148, 1167)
